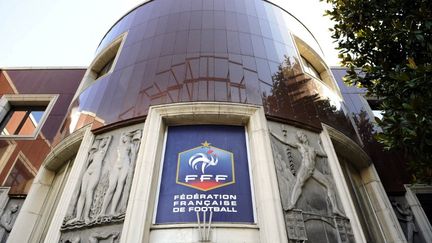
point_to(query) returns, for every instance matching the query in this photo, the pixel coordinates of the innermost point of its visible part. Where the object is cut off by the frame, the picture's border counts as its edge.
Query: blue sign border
(182, 138)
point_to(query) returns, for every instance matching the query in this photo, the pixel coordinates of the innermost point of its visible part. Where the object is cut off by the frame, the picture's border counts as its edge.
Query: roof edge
(44, 68)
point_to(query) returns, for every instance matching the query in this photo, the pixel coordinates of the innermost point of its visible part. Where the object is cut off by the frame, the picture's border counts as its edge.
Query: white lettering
(221, 178)
(190, 178)
(205, 178)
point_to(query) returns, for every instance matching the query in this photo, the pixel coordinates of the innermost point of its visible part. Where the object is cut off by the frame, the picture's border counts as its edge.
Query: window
(310, 69)
(51, 202)
(105, 68)
(104, 62)
(22, 120)
(419, 198)
(6, 150)
(314, 65)
(360, 196)
(20, 177)
(22, 116)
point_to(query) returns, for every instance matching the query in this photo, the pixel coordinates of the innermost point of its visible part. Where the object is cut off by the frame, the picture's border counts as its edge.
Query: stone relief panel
(98, 207)
(10, 210)
(4, 197)
(406, 219)
(106, 234)
(312, 208)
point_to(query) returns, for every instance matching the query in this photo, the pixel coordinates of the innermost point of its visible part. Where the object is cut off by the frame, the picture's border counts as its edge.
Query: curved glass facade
(204, 109)
(224, 51)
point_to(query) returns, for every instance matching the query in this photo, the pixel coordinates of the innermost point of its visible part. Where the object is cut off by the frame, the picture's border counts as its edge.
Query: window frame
(336, 142)
(9, 101)
(259, 148)
(309, 68)
(412, 190)
(306, 52)
(178, 122)
(109, 54)
(21, 158)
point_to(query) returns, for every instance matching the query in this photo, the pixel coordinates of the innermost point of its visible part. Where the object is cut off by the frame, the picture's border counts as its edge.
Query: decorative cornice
(64, 150)
(346, 146)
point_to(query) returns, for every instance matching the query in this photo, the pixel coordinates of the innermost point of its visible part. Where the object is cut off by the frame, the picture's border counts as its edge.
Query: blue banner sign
(205, 169)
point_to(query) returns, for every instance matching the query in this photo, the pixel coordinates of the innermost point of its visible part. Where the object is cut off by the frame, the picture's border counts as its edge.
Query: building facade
(34, 103)
(204, 121)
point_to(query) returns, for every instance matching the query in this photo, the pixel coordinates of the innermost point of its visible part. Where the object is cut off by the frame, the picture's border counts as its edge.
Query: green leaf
(391, 43)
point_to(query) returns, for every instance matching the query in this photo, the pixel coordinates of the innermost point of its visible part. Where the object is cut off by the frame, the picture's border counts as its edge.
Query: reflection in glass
(19, 179)
(186, 51)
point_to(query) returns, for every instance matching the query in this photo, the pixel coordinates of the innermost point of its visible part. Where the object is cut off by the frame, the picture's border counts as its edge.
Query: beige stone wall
(139, 220)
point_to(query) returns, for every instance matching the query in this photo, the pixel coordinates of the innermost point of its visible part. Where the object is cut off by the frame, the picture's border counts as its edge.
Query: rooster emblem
(205, 167)
(206, 160)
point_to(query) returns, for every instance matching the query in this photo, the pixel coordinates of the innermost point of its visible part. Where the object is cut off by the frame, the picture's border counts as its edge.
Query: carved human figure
(135, 137)
(6, 221)
(90, 180)
(307, 170)
(118, 174)
(405, 215)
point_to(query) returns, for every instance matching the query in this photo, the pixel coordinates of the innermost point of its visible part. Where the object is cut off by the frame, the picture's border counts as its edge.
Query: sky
(50, 33)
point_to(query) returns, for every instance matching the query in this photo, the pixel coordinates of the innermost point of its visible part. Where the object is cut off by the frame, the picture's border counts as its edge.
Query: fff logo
(205, 167)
